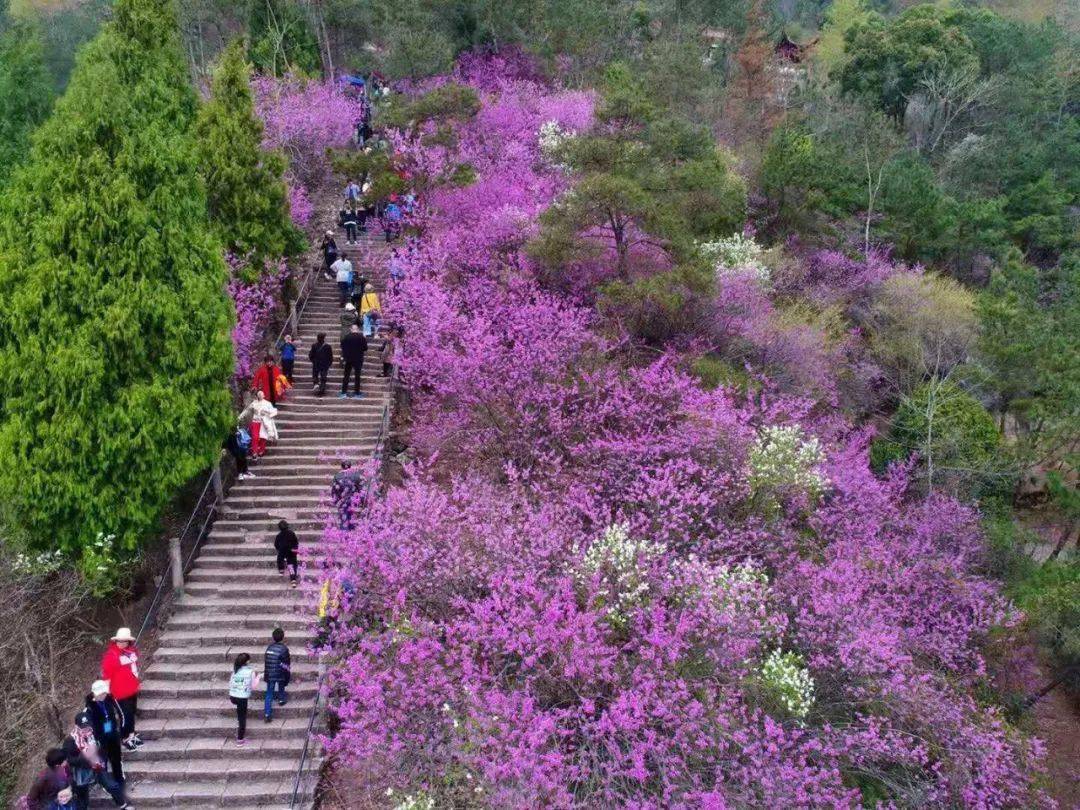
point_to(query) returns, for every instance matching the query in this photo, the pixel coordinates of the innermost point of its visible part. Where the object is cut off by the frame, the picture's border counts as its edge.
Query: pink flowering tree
(256, 301)
(601, 585)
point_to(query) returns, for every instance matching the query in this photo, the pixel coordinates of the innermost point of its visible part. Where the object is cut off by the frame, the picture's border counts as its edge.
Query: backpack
(243, 439)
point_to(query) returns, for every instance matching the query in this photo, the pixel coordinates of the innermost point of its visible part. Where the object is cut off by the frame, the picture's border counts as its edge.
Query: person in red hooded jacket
(120, 667)
(266, 379)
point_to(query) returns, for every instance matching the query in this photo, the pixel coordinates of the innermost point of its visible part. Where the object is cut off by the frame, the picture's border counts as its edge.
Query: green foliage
(714, 372)
(643, 176)
(1050, 597)
(26, 90)
(658, 307)
(446, 103)
(114, 324)
(416, 53)
(920, 326)
(841, 17)
(954, 438)
(281, 38)
(1030, 341)
(887, 60)
(248, 202)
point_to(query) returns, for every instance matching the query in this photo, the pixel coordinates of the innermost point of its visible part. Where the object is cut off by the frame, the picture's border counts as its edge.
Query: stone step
(227, 589)
(222, 791)
(220, 655)
(173, 671)
(207, 749)
(255, 637)
(245, 768)
(288, 620)
(208, 689)
(218, 707)
(156, 728)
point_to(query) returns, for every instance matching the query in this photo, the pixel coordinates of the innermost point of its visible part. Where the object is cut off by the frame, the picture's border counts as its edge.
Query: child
(287, 347)
(65, 800)
(243, 680)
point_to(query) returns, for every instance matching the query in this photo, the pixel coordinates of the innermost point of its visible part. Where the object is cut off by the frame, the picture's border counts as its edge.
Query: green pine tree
(25, 88)
(114, 323)
(248, 202)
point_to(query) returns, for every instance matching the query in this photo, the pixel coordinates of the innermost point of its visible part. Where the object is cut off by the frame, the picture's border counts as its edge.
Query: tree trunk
(1063, 540)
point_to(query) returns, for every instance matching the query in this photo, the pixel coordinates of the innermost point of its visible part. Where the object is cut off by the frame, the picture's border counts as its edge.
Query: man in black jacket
(286, 544)
(353, 348)
(321, 357)
(276, 672)
(106, 718)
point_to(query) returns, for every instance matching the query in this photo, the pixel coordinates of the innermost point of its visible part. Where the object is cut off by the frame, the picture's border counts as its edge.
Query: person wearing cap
(86, 766)
(120, 667)
(107, 721)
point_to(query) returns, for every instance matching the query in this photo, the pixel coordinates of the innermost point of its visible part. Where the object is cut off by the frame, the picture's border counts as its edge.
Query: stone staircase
(234, 597)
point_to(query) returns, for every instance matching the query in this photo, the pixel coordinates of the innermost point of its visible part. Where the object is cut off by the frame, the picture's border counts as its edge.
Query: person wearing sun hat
(107, 720)
(120, 667)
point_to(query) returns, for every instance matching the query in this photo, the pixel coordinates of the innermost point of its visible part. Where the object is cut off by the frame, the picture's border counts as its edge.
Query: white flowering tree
(782, 460)
(788, 683)
(736, 253)
(616, 564)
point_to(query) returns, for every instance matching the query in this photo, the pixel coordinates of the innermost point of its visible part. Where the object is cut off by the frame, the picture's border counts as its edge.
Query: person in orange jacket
(120, 667)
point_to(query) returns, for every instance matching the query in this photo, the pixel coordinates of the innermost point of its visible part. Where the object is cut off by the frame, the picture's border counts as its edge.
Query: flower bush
(737, 252)
(256, 302)
(789, 682)
(575, 599)
(782, 460)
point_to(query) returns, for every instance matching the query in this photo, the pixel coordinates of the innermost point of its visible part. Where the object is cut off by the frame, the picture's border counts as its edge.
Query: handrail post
(219, 487)
(294, 321)
(176, 565)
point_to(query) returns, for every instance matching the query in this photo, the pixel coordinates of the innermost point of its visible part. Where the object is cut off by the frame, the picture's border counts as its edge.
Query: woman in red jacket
(266, 379)
(120, 667)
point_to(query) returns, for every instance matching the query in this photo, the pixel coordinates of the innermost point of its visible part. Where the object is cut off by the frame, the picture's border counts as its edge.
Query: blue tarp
(355, 81)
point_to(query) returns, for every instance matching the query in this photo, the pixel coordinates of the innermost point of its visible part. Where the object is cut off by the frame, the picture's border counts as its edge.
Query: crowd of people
(103, 730)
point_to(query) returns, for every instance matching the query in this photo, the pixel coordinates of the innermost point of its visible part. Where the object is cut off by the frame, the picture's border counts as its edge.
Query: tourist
(265, 379)
(243, 680)
(238, 444)
(276, 673)
(343, 274)
(65, 800)
(370, 310)
(321, 357)
(392, 219)
(353, 347)
(352, 193)
(87, 767)
(107, 720)
(349, 220)
(387, 353)
(349, 318)
(262, 415)
(120, 667)
(49, 782)
(286, 543)
(329, 252)
(287, 349)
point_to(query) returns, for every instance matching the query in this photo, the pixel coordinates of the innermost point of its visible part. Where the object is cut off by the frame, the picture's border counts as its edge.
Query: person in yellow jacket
(370, 310)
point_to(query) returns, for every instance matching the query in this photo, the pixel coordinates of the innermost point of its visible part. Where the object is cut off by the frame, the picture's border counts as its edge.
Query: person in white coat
(263, 414)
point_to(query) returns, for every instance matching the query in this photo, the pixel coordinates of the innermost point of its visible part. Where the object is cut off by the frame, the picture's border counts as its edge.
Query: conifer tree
(248, 202)
(25, 90)
(114, 321)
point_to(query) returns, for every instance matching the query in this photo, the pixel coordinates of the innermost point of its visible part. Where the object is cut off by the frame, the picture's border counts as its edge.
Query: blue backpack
(243, 439)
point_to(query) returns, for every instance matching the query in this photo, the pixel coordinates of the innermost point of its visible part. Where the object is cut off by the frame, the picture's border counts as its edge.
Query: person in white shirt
(343, 273)
(243, 680)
